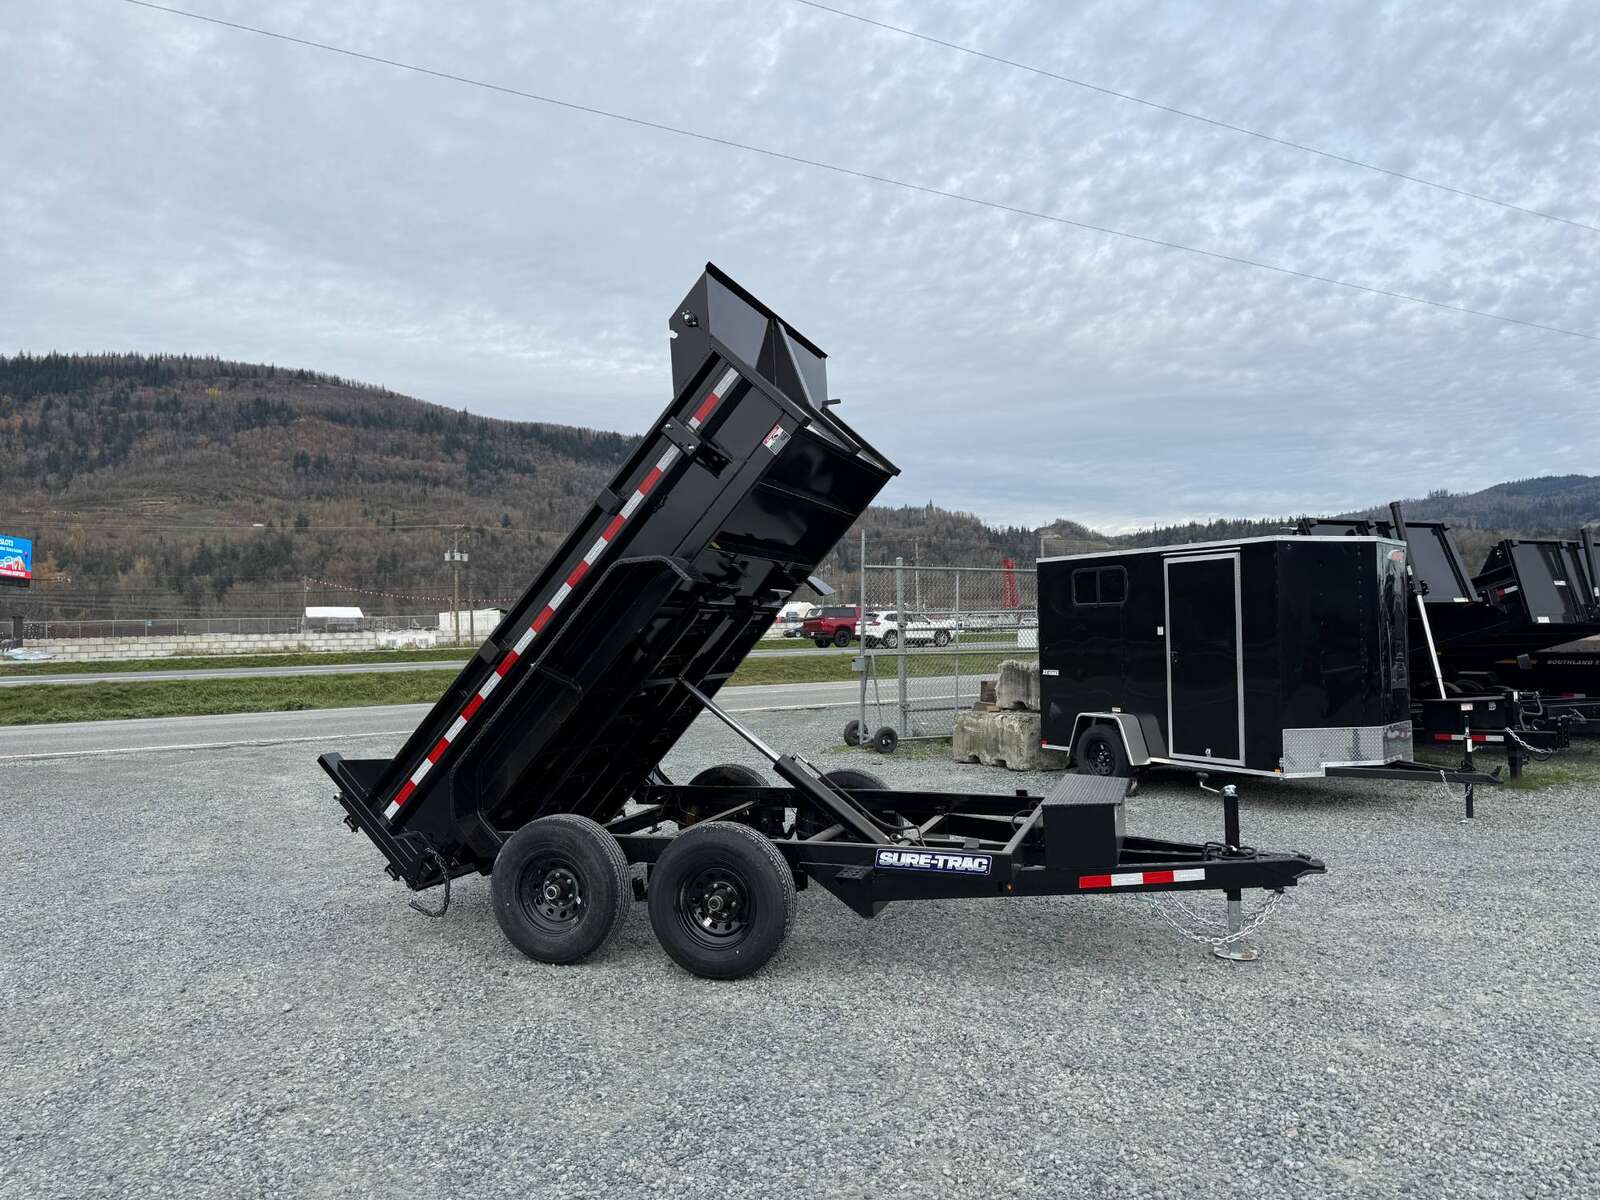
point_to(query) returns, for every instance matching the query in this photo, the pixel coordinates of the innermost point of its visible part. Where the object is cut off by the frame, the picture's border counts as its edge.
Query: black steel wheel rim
(715, 906)
(552, 893)
(1101, 760)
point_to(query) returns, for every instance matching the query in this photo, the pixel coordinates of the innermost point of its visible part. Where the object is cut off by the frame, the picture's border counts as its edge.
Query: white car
(886, 629)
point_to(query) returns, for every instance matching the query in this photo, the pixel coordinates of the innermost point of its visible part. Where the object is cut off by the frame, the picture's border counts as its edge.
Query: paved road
(332, 725)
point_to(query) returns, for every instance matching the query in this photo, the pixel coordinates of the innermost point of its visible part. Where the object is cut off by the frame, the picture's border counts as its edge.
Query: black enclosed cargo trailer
(1272, 656)
(540, 763)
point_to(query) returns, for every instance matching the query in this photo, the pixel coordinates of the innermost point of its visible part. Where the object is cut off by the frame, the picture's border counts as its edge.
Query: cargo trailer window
(1098, 587)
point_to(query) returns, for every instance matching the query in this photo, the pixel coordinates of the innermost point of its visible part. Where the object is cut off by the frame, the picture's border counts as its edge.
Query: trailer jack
(1232, 946)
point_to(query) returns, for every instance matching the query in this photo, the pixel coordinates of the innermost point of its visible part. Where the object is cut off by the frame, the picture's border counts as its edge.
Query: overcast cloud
(172, 186)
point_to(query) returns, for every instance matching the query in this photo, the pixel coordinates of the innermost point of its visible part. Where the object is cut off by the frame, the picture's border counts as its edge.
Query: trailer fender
(1132, 733)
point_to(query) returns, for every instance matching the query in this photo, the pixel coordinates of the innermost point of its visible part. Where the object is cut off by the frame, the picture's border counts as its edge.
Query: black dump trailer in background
(540, 764)
(1505, 657)
(1547, 589)
(1273, 656)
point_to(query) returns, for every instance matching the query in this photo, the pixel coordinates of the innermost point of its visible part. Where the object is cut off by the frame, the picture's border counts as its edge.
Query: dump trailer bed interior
(540, 765)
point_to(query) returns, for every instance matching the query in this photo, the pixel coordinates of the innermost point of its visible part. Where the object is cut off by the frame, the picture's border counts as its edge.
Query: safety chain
(444, 874)
(1538, 755)
(1163, 903)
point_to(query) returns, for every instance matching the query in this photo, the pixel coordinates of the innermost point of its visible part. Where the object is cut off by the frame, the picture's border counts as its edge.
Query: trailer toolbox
(540, 763)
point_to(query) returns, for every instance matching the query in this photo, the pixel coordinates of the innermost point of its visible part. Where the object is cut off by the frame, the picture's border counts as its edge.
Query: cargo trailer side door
(1205, 658)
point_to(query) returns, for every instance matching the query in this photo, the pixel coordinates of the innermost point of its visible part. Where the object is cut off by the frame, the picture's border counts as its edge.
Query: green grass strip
(35, 704)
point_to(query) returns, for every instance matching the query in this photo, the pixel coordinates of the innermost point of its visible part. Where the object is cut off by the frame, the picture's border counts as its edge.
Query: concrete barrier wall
(92, 649)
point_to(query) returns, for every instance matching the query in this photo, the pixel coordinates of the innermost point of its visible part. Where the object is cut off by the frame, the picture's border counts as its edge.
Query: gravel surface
(209, 988)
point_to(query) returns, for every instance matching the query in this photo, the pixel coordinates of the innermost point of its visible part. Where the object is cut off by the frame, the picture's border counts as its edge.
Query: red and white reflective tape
(1477, 739)
(1142, 878)
(646, 485)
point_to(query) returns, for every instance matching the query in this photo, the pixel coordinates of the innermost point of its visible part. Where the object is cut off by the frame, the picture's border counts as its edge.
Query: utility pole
(456, 557)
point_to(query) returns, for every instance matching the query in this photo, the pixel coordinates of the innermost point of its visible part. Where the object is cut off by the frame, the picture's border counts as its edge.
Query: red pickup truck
(836, 625)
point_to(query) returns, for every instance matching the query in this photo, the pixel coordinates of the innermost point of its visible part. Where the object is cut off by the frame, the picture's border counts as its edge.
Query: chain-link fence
(931, 636)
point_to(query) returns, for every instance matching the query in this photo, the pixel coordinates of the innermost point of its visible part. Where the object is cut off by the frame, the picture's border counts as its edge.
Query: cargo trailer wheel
(885, 741)
(560, 887)
(841, 637)
(722, 899)
(1100, 752)
(853, 731)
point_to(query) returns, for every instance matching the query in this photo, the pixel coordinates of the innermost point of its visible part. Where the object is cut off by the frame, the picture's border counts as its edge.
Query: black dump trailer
(1270, 656)
(1504, 658)
(540, 764)
(1546, 588)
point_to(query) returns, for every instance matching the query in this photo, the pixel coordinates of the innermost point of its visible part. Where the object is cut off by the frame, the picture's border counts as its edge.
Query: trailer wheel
(841, 637)
(853, 731)
(560, 887)
(1100, 752)
(853, 780)
(722, 899)
(729, 775)
(886, 740)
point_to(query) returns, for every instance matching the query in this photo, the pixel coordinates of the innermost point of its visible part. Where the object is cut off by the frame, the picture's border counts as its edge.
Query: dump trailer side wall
(724, 509)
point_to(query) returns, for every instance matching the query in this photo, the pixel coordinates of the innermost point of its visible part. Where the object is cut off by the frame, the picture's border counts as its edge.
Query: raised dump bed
(1523, 632)
(540, 764)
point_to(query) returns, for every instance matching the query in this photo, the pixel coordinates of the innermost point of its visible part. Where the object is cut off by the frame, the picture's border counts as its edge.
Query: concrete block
(1003, 739)
(1018, 685)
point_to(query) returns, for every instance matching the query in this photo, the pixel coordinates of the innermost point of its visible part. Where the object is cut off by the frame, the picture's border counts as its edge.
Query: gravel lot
(210, 989)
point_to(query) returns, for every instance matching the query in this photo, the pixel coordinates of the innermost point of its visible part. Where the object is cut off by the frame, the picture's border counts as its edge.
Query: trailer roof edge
(1228, 544)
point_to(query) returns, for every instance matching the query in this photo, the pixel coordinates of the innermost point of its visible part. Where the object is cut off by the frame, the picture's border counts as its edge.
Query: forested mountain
(179, 485)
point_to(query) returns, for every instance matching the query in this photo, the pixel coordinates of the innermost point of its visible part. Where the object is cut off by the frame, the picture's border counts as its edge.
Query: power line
(1194, 116)
(869, 176)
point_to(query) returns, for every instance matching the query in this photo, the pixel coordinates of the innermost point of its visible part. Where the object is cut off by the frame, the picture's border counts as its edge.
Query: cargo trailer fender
(1133, 740)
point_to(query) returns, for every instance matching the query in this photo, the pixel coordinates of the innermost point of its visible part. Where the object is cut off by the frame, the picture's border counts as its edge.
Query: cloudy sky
(175, 186)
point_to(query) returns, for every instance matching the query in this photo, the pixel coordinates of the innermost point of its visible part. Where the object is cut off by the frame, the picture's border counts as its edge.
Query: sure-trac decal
(950, 862)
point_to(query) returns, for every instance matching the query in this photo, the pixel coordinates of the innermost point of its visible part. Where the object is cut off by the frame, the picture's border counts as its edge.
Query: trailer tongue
(540, 764)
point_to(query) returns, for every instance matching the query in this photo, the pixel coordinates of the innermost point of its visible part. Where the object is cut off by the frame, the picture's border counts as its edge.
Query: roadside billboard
(16, 560)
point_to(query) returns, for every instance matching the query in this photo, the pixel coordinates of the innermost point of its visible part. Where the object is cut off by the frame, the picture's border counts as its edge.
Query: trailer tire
(852, 780)
(853, 731)
(1100, 752)
(560, 888)
(722, 899)
(841, 638)
(729, 775)
(886, 740)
